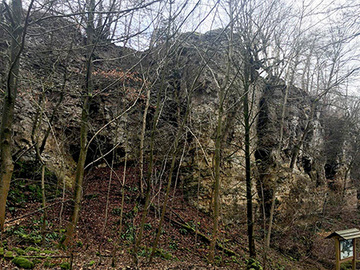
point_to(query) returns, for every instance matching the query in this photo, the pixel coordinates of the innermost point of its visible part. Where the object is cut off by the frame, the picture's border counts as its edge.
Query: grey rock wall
(196, 63)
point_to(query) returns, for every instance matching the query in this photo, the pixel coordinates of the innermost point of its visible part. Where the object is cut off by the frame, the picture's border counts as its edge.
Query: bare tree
(17, 29)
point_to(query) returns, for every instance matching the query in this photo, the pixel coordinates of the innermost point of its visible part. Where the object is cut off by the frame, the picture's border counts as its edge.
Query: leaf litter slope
(179, 248)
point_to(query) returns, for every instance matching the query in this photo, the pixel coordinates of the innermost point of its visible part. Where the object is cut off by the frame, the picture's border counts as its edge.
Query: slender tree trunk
(113, 261)
(157, 238)
(271, 218)
(79, 177)
(7, 166)
(176, 144)
(217, 179)
(142, 139)
(152, 140)
(247, 127)
(78, 185)
(107, 204)
(219, 138)
(150, 167)
(35, 138)
(43, 202)
(250, 218)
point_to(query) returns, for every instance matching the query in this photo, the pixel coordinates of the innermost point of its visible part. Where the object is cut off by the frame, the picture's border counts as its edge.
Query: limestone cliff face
(305, 127)
(49, 101)
(275, 149)
(270, 161)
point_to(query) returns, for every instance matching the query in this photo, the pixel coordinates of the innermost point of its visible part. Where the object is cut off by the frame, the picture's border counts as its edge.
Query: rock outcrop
(49, 101)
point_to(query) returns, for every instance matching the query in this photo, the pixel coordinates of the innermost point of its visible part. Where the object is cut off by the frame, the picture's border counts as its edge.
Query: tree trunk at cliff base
(78, 184)
(7, 166)
(79, 177)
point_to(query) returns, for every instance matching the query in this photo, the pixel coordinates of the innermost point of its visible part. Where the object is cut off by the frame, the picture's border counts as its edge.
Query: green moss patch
(19, 251)
(34, 249)
(23, 262)
(8, 255)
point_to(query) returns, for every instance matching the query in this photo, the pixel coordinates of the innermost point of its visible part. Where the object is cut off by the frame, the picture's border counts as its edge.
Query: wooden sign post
(345, 246)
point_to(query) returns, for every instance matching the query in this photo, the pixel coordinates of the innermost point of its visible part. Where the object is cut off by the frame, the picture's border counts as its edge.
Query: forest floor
(100, 243)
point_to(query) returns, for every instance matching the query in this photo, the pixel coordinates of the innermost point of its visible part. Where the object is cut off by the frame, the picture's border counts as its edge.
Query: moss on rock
(23, 262)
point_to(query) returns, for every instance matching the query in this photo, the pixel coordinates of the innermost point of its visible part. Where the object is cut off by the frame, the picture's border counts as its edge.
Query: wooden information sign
(345, 246)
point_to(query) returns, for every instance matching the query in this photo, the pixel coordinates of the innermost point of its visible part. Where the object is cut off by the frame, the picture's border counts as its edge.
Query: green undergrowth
(32, 236)
(26, 185)
(27, 257)
(253, 264)
(160, 253)
(22, 244)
